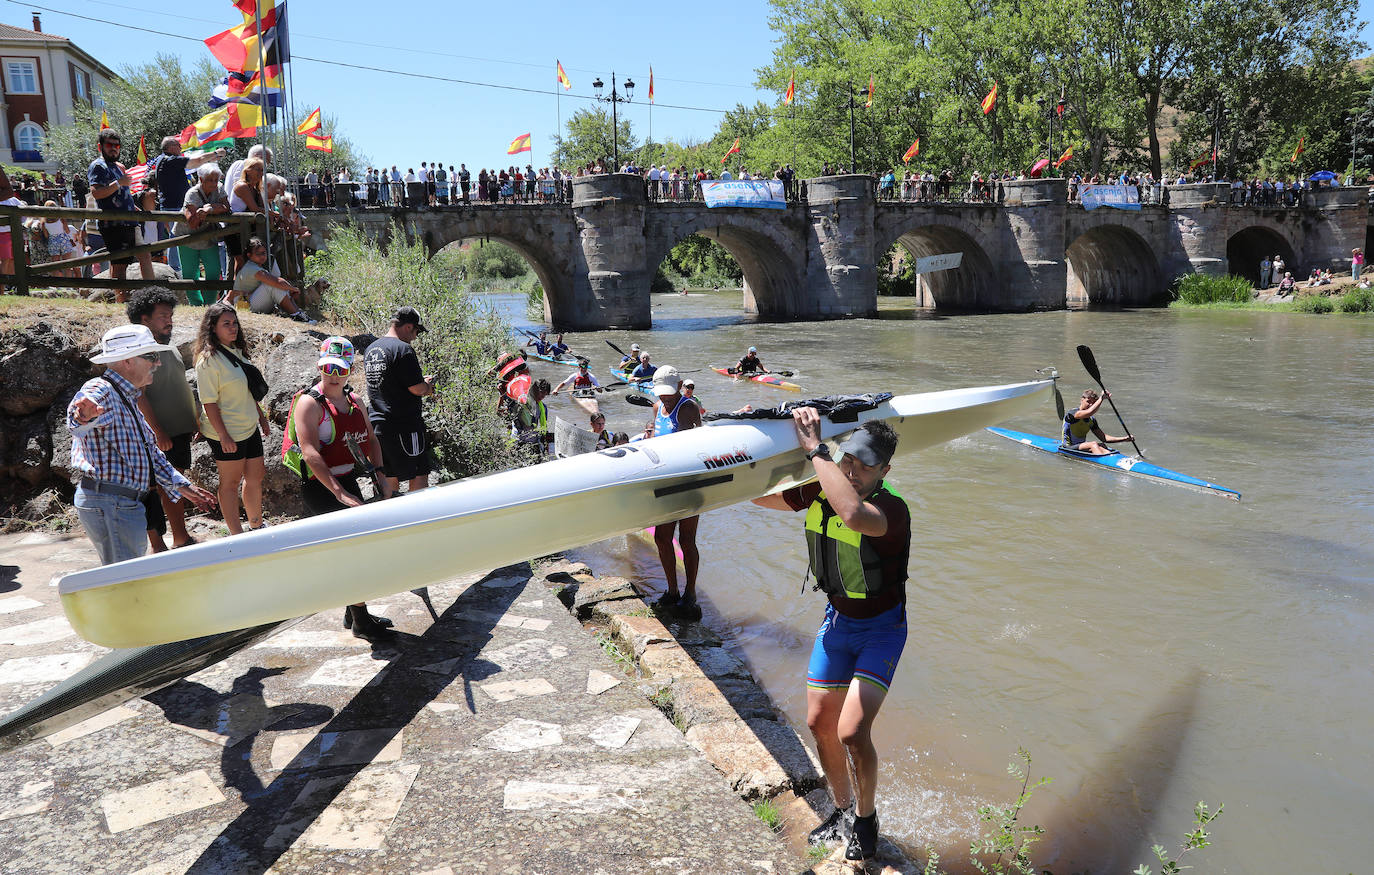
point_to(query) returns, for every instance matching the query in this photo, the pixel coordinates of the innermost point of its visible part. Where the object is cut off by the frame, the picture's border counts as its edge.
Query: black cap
(408, 316)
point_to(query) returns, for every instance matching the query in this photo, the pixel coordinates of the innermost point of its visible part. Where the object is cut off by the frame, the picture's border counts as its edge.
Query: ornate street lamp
(615, 98)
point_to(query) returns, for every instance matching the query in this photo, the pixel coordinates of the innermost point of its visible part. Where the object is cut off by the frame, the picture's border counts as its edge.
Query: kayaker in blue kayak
(645, 371)
(541, 344)
(558, 348)
(1078, 424)
(630, 361)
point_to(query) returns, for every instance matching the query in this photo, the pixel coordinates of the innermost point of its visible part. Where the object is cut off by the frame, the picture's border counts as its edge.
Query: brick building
(43, 76)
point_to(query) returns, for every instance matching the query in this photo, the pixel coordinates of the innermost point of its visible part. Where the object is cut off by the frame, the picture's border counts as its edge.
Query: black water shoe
(834, 828)
(863, 839)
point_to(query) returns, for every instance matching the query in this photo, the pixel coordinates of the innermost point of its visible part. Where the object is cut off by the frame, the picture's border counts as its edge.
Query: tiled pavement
(493, 735)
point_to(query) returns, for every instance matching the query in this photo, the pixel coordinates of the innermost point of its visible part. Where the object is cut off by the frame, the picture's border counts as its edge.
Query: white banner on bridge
(932, 263)
(765, 193)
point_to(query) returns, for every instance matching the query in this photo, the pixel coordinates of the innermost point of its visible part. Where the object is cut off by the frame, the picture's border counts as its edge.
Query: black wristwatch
(821, 450)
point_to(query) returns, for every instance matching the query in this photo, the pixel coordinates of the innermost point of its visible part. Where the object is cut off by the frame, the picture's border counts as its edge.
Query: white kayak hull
(483, 522)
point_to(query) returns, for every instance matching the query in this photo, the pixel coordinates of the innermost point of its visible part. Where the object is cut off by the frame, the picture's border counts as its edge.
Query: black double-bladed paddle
(1090, 364)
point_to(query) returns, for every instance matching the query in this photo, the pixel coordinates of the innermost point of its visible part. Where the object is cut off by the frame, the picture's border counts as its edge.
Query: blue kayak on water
(1116, 461)
(645, 387)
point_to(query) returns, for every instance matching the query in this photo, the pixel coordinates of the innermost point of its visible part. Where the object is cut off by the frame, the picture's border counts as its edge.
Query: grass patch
(1314, 304)
(612, 649)
(1201, 288)
(768, 813)
(1270, 306)
(816, 853)
(1356, 301)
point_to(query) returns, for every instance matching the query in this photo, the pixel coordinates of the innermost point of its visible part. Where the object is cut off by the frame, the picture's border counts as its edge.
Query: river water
(1149, 646)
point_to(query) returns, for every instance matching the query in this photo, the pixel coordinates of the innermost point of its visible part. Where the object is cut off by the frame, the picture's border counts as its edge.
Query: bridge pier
(613, 290)
(841, 267)
(1033, 268)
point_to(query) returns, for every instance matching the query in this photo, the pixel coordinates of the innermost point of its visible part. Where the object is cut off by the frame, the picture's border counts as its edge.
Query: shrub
(1356, 301)
(463, 340)
(1201, 288)
(1313, 304)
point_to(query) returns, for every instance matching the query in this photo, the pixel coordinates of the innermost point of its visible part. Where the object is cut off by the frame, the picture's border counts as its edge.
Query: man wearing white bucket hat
(115, 450)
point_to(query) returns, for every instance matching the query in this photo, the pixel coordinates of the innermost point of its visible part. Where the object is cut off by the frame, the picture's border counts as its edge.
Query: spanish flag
(1205, 159)
(104, 120)
(562, 76)
(791, 94)
(319, 143)
(519, 144)
(991, 100)
(312, 123)
(869, 103)
(1064, 159)
(142, 153)
(733, 150)
(912, 152)
(1298, 151)
(651, 84)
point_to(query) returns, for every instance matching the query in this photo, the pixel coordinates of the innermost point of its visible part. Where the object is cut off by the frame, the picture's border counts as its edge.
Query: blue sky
(705, 59)
(703, 56)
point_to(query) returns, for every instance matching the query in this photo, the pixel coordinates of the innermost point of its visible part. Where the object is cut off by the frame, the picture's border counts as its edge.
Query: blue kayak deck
(1118, 462)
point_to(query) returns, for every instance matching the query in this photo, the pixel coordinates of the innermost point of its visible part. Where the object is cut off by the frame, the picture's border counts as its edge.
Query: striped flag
(142, 153)
(563, 76)
(1205, 159)
(237, 47)
(248, 88)
(912, 152)
(1298, 151)
(104, 120)
(319, 143)
(1064, 159)
(138, 174)
(791, 94)
(733, 150)
(519, 144)
(869, 103)
(312, 123)
(651, 84)
(991, 100)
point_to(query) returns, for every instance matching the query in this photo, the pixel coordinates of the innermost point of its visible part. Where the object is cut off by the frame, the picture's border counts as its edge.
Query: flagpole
(262, 83)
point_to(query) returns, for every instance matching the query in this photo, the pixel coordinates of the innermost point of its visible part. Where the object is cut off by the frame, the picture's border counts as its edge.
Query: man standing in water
(672, 413)
(858, 535)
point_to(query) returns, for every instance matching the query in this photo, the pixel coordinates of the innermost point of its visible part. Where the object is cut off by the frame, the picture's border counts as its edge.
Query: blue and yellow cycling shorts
(847, 648)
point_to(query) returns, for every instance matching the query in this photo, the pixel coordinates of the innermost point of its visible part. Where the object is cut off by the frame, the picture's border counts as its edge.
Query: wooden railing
(27, 275)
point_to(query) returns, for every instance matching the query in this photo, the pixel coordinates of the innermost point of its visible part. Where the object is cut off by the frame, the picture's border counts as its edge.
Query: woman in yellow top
(232, 421)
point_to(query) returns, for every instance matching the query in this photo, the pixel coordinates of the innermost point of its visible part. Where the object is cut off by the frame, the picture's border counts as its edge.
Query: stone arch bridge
(596, 256)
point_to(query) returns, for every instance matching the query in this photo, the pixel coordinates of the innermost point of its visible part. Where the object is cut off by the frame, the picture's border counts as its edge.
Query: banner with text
(1122, 197)
(759, 193)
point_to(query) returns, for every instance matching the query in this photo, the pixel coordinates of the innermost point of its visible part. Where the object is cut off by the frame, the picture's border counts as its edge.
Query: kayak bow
(766, 379)
(1118, 462)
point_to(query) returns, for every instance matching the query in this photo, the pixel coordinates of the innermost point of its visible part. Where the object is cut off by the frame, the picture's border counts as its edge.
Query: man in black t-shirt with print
(395, 385)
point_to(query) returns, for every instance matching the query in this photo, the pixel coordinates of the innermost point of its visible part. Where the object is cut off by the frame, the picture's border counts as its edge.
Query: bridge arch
(535, 247)
(1246, 247)
(973, 285)
(761, 246)
(1112, 264)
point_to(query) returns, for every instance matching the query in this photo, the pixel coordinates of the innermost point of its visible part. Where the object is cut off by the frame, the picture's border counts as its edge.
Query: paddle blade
(1058, 402)
(638, 400)
(616, 348)
(1090, 363)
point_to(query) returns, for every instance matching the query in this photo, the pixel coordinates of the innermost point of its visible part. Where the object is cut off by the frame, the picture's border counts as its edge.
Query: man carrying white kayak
(858, 536)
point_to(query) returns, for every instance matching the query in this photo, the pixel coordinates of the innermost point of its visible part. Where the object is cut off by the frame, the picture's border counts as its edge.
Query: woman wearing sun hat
(327, 420)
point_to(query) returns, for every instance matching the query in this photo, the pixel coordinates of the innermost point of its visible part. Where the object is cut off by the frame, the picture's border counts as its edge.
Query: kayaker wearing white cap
(630, 361)
(750, 364)
(116, 452)
(672, 413)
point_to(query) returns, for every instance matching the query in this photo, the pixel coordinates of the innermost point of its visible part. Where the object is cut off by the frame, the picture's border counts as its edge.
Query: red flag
(868, 103)
(912, 152)
(104, 120)
(1038, 168)
(991, 100)
(519, 144)
(651, 84)
(1064, 159)
(562, 76)
(791, 94)
(733, 150)
(1298, 151)
(237, 47)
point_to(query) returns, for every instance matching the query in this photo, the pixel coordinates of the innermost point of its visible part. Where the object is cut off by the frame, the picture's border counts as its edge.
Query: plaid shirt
(115, 446)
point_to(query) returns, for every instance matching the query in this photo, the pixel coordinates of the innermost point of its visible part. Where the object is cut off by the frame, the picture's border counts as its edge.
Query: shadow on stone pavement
(9, 578)
(278, 815)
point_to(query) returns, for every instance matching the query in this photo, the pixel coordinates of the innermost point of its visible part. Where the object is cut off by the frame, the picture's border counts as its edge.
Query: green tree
(588, 139)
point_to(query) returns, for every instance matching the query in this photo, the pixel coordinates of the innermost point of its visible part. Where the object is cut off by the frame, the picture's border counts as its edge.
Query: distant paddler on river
(750, 363)
(582, 384)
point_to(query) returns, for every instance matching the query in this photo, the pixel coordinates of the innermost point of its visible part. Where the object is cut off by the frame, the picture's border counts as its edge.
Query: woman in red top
(327, 418)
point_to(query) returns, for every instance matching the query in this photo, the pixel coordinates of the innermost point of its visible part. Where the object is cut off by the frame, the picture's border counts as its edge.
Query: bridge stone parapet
(596, 257)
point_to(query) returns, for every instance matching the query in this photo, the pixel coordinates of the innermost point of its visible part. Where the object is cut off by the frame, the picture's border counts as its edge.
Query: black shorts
(318, 499)
(233, 245)
(118, 237)
(248, 448)
(405, 455)
(180, 453)
(153, 512)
